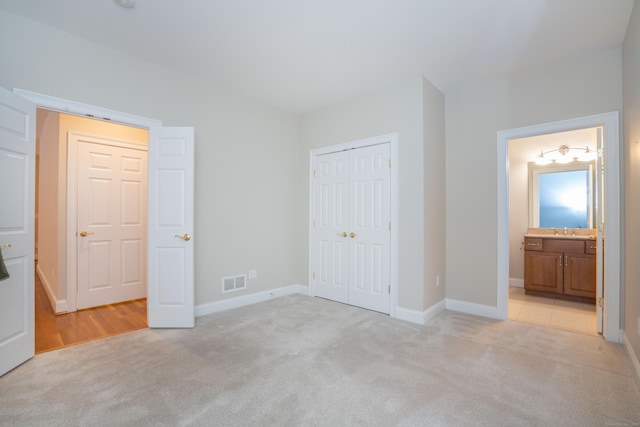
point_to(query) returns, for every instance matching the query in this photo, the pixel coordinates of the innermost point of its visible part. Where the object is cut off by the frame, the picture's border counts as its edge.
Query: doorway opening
(608, 302)
(65, 267)
(556, 203)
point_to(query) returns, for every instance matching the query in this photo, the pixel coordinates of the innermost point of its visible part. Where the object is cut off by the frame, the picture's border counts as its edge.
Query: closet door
(352, 236)
(331, 186)
(369, 229)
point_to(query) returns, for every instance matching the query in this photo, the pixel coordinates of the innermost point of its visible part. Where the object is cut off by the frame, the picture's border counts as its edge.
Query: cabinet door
(580, 275)
(543, 271)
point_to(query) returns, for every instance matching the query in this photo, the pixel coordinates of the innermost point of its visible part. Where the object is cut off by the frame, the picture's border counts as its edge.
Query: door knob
(86, 233)
(185, 237)
(352, 234)
(343, 234)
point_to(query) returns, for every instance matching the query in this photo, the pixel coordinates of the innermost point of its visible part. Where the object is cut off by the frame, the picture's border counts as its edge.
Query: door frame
(612, 268)
(71, 206)
(392, 139)
(89, 111)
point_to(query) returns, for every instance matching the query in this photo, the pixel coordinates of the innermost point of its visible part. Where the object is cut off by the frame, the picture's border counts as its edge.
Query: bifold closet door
(352, 216)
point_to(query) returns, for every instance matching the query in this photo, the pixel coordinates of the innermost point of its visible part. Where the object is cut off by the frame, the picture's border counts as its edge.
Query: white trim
(516, 283)
(631, 353)
(244, 300)
(408, 315)
(86, 110)
(59, 306)
(612, 288)
(472, 308)
(420, 318)
(392, 139)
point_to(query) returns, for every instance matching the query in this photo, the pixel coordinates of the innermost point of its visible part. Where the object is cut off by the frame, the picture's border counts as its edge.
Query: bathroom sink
(561, 233)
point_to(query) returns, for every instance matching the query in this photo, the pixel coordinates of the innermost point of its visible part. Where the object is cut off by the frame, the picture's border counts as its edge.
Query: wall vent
(234, 283)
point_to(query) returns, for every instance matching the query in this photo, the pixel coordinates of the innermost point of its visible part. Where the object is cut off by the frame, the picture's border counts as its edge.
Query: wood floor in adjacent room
(64, 330)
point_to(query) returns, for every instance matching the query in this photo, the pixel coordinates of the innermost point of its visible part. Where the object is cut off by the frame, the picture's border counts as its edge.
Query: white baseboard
(408, 315)
(59, 306)
(631, 353)
(243, 300)
(516, 283)
(472, 308)
(420, 318)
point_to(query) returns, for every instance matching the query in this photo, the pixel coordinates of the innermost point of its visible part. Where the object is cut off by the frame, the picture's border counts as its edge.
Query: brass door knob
(185, 237)
(343, 234)
(352, 234)
(86, 233)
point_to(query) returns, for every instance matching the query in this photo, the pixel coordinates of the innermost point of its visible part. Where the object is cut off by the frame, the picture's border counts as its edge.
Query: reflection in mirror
(561, 195)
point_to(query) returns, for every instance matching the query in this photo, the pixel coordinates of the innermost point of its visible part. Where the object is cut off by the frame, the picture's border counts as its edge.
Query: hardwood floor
(54, 332)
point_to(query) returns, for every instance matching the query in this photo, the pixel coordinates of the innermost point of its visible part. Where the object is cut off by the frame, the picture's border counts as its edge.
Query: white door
(111, 224)
(599, 173)
(17, 187)
(369, 227)
(170, 300)
(331, 201)
(352, 227)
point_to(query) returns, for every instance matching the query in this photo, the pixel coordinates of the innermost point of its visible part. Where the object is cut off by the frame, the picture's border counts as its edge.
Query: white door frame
(392, 139)
(90, 111)
(612, 271)
(72, 191)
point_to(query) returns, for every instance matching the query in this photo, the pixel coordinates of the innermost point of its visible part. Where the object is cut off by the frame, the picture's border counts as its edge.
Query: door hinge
(313, 275)
(389, 226)
(600, 302)
(314, 223)
(314, 172)
(601, 227)
(389, 162)
(389, 289)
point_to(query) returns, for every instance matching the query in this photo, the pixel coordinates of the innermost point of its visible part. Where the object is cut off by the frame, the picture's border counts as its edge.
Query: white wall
(631, 76)
(433, 122)
(246, 160)
(474, 115)
(48, 202)
(396, 109)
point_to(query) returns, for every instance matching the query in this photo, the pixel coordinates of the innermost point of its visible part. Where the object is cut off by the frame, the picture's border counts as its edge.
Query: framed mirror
(561, 195)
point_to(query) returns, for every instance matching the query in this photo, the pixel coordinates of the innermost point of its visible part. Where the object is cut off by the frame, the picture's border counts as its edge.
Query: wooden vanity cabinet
(560, 268)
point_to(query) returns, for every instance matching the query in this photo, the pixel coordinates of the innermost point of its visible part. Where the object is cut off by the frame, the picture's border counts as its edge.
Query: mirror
(561, 195)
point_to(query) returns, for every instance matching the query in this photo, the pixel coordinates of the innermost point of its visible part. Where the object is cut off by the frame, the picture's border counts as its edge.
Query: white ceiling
(300, 55)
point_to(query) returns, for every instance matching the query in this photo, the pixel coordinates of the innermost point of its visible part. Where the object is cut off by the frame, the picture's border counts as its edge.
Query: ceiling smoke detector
(126, 3)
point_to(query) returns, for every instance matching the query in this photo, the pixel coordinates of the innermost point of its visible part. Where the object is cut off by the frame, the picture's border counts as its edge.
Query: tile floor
(553, 313)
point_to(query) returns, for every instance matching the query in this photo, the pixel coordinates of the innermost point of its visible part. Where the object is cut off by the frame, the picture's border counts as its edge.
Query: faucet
(555, 231)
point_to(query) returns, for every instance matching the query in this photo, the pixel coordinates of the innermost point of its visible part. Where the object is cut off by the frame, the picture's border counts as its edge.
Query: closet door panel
(370, 237)
(331, 217)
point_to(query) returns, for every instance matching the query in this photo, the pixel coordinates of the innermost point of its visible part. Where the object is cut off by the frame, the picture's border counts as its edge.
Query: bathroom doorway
(609, 269)
(562, 208)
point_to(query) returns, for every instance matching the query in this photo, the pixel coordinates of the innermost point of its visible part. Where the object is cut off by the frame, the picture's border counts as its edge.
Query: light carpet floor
(298, 360)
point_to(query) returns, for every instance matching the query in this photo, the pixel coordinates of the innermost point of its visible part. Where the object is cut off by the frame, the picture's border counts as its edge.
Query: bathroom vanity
(560, 266)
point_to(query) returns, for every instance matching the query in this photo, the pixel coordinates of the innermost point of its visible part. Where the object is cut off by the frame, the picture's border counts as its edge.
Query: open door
(170, 301)
(600, 233)
(17, 187)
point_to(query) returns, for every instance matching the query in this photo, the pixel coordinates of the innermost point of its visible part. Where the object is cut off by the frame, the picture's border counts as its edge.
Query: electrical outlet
(253, 274)
(437, 281)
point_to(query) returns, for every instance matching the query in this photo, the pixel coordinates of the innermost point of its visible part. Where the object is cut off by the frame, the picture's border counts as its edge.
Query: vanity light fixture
(565, 154)
(127, 4)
